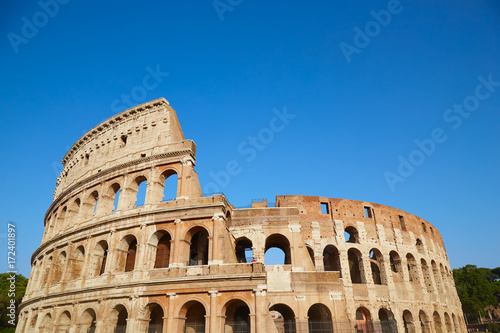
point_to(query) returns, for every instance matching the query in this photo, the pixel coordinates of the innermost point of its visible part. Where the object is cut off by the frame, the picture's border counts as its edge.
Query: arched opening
(169, 179)
(425, 325)
(377, 267)
(127, 254)
(412, 268)
(59, 266)
(92, 201)
(243, 249)
(427, 276)
(310, 251)
(237, 317)
(386, 321)
(193, 314)
(198, 249)
(455, 323)
(155, 318)
(46, 326)
(437, 276)
(64, 322)
(61, 219)
(99, 257)
(141, 184)
(408, 322)
(73, 211)
(114, 196)
(33, 321)
(443, 281)
(319, 319)
(118, 319)
(420, 246)
(355, 266)
(447, 322)
(76, 263)
(162, 257)
(331, 259)
(88, 321)
(396, 268)
(284, 318)
(46, 271)
(351, 235)
(277, 250)
(364, 323)
(437, 322)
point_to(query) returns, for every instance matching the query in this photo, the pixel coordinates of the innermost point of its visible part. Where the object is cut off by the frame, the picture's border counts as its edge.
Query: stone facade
(194, 263)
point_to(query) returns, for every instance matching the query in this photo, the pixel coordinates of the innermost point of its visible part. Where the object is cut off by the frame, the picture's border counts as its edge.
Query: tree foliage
(6, 294)
(477, 288)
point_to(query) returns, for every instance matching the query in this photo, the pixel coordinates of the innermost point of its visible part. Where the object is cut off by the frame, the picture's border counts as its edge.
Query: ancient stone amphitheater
(112, 261)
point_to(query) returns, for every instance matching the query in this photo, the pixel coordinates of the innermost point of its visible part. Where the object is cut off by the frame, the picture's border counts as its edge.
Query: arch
(155, 315)
(412, 268)
(64, 322)
(351, 235)
(199, 244)
(447, 322)
(437, 276)
(408, 324)
(169, 180)
(46, 326)
(61, 218)
(331, 258)
(427, 276)
(437, 322)
(76, 263)
(193, 313)
(99, 258)
(237, 317)
(425, 325)
(420, 246)
(455, 323)
(243, 250)
(319, 318)
(396, 267)
(46, 271)
(59, 266)
(73, 210)
(161, 240)
(285, 321)
(377, 267)
(356, 266)
(91, 203)
(280, 242)
(33, 321)
(140, 185)
(113, 197)
(310, 251)
(364, 323)
(127, 254)
(87, 321)
(118, 319)
(386, 322)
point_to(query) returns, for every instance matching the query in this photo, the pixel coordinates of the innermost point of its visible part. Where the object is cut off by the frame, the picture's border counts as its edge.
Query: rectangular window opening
(402, 222)
(324, 208)
(368, 212)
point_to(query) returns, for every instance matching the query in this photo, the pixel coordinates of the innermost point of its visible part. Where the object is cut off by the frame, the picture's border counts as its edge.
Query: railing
(237, 326)
(155, 328)
(91, 330)
(327, 326)
(120, 329)
(194, 328)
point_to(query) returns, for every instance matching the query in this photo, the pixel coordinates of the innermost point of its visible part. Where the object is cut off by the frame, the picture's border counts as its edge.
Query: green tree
(474, 290)
(6, 295)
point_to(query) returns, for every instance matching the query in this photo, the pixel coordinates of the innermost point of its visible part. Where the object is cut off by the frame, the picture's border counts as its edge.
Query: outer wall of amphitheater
(193, 263)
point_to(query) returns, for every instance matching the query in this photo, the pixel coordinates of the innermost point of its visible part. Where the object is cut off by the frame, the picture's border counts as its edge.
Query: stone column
(217, 224)
(260, 298)
(185, 177)
(296, 239)
(213, 311)
(177, 244)
(169, 327)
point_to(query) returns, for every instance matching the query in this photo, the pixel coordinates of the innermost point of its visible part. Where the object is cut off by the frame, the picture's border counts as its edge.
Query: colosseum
(110, 261)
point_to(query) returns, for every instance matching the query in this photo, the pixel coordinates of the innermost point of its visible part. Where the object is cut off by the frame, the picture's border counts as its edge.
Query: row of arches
(123, 257)
(115, 196)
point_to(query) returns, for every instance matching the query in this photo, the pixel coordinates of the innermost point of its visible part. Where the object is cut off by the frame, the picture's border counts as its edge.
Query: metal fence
(194, 328)
(315, 326)
(155, 328)
(237, 327)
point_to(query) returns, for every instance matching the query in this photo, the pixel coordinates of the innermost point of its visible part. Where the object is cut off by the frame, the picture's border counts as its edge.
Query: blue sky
(358, 93)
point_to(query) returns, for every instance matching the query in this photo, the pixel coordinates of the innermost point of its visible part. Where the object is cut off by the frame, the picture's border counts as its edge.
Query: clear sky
(390, 102)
